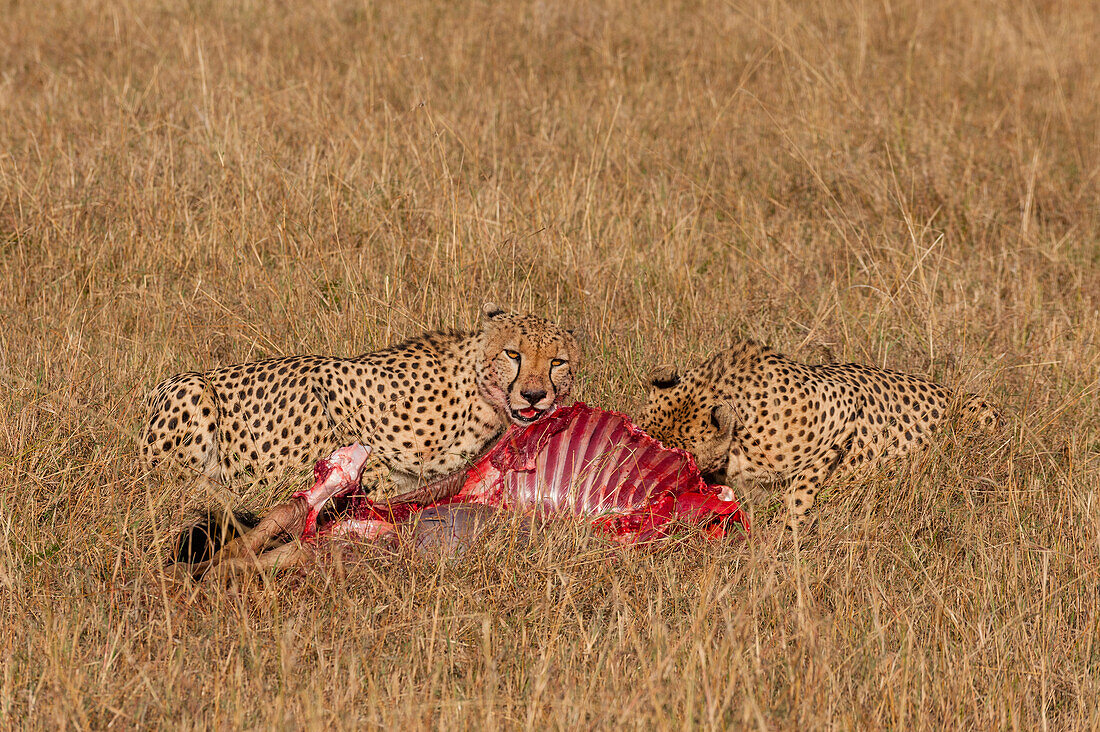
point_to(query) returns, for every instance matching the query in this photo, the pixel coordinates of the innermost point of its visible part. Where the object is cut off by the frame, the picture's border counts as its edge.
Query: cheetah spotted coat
(425, 407)
(751, 413)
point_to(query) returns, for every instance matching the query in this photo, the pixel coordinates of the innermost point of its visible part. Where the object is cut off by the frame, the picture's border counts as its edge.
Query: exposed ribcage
(600, 464)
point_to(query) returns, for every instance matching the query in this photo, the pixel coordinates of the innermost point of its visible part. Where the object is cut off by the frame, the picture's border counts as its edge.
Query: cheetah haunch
(751, 413)
(425, 407)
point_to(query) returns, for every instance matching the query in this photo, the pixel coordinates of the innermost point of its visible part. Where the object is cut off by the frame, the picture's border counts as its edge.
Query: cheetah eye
(514, 355)
(555, 362)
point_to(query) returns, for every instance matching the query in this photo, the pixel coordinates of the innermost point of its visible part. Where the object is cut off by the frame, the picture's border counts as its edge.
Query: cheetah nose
(533, 396)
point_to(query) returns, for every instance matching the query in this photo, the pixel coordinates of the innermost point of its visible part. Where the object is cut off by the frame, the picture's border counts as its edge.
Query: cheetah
(751, 413)
(425, 407)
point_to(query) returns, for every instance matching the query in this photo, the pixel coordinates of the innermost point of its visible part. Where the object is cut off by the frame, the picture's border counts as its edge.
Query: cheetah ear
(491, 310)
(579, 333)
(722, 419)
(663, 377)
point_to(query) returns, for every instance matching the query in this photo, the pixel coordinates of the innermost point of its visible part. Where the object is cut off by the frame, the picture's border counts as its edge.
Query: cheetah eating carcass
(751, 413)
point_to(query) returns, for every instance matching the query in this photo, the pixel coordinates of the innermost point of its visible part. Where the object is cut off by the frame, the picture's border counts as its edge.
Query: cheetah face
(683, 413)
(526, 364)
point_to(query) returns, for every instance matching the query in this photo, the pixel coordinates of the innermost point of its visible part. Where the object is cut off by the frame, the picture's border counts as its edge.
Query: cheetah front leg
(421, 490)
(805, 485)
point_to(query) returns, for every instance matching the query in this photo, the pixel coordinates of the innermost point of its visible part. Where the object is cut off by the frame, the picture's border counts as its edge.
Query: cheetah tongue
(529, 413)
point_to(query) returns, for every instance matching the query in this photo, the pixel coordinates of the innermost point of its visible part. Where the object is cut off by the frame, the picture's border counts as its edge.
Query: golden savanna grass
(910, 184)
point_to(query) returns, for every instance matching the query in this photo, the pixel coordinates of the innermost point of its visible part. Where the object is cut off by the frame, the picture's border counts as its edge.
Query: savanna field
(910, 184)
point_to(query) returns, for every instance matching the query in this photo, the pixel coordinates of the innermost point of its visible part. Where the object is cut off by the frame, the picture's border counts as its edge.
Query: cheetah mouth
(528, 415)
(715, 477)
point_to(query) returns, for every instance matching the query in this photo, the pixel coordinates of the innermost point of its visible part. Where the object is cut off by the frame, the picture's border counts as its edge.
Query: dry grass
(913, 184)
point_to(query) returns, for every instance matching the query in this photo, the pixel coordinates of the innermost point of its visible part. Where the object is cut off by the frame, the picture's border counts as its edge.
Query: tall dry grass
(912, 184)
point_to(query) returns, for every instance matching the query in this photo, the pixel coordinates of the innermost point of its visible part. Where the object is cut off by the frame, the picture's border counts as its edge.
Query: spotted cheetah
(424, 407)
(751, 413)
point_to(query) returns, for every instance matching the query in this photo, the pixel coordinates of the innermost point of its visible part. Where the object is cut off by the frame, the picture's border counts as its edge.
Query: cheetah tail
(214, 529)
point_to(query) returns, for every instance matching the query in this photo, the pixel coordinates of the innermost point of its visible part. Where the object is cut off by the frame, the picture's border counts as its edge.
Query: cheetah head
(683, 412)
(525, 366)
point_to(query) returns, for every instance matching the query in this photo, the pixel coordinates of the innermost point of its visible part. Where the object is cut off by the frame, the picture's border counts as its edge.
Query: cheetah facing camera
(751, 413)
(425, 407)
